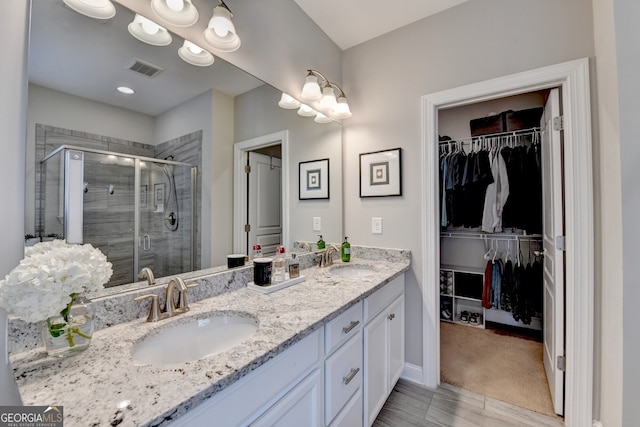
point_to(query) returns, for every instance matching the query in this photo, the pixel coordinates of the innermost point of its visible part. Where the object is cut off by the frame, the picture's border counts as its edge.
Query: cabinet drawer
(377, 302)
(351, 414)
(343, 327)
(343, 376)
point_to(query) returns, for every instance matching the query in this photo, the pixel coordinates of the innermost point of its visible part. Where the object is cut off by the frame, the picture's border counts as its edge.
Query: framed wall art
(314, 179)
(381, 173)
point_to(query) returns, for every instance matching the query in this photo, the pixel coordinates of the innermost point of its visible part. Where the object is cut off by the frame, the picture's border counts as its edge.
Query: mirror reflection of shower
(171, 216)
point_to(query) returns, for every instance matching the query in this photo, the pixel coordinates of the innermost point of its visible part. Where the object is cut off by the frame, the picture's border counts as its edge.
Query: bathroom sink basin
(195, 339)
(352, 270)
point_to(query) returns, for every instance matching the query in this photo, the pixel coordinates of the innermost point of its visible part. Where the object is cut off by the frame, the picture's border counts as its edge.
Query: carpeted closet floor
(505, 366)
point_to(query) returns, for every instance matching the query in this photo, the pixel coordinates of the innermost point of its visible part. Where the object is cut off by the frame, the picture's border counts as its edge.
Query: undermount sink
(352, 270)
(195, 339)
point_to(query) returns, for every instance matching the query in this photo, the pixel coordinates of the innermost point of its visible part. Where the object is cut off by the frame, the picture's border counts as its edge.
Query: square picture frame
(381, 173)
(313, 179)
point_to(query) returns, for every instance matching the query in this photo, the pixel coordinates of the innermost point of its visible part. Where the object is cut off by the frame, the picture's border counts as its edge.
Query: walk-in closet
(493, 305)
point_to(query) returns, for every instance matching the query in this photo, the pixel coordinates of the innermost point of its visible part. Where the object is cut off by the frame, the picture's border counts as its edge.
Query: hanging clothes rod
(485, 236)
(522, 132)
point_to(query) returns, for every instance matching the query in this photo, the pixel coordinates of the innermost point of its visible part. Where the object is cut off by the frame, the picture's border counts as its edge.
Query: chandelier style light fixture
(221, 33)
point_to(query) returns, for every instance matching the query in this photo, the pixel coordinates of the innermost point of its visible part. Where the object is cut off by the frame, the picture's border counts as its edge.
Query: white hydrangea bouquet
(48, 280)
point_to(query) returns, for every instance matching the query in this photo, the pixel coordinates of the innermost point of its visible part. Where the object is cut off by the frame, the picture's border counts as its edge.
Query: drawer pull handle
(352, 374)
(392, 316)
(349, 328)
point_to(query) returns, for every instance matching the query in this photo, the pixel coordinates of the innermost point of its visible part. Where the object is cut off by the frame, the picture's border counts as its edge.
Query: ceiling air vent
(142, 67)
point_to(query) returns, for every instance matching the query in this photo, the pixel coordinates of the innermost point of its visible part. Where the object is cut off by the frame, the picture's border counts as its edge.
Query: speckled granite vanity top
(104, 383)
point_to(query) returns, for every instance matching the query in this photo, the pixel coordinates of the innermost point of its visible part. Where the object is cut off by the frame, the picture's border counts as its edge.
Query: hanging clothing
(486, 288)
(496, 283)
(506, 287)
(496, 195)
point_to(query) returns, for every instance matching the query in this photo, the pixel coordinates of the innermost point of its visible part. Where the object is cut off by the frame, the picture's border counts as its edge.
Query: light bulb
(175, 5)
(221, 22)
(193, 48)
(147, 25)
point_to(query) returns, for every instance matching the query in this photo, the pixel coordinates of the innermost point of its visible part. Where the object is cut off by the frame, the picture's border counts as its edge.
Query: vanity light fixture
(221, 33)
(97, 9)
(181, 13)
(318, 88)
(195, 55)
(306, 111)
(288, 102)
(149, 32)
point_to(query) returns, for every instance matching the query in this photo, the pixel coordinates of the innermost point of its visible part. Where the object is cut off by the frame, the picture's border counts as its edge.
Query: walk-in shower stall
(138, 210)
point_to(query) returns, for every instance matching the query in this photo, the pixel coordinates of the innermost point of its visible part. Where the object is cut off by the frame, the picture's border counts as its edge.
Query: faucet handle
(182, 306)
(154, 309)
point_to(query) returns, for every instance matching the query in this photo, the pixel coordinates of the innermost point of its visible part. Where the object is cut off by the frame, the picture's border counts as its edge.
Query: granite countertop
(104, 386)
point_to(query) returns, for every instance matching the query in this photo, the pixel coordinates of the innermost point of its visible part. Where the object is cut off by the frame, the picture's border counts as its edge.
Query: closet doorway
(577, 193)
(495, 295)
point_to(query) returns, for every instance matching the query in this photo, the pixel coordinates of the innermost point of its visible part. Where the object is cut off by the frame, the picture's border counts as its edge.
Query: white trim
(240, 150)
(573, 78)
(412, 373)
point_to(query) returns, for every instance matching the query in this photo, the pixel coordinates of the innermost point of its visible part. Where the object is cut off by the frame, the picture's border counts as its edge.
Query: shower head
(169, 157)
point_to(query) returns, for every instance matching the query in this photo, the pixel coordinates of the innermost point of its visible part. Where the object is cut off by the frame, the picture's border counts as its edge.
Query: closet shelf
(489, 236)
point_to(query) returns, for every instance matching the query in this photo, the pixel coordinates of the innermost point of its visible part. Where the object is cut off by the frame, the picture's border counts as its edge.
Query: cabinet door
(376, 366)
(302, 406)
(396, 340)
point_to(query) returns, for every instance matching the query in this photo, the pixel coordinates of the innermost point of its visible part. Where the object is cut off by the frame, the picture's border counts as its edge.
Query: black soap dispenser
(346, 250)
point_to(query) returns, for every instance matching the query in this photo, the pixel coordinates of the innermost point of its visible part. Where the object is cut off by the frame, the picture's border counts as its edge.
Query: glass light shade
(328, 101)
(321, 118)
(341, 110)
(181, 13)
(195, 55)
(97, 9)
(149, 32)
(221, 33)
(311, 89)
(288, 102)
(306, 111)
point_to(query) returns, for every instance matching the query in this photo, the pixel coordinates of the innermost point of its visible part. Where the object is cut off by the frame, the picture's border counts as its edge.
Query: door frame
(573, 78)
(240, 153)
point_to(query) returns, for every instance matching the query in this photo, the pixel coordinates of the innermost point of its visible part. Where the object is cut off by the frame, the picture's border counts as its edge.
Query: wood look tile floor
(412, 405)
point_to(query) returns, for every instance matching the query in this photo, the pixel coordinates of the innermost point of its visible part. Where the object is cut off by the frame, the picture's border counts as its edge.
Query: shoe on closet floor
(474, 318)
(464, 317)
(446, 314)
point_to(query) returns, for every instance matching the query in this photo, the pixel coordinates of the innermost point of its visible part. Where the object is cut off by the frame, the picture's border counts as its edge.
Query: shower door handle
(146, 242)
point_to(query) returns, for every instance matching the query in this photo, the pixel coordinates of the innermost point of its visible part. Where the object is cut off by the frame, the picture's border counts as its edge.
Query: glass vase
(69, 332)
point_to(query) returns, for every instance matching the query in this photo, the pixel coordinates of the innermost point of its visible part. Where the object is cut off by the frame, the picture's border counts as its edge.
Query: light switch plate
(317, 223)
(376, 225)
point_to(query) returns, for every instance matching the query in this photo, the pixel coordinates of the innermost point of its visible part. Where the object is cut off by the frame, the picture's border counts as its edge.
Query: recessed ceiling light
(126, 90)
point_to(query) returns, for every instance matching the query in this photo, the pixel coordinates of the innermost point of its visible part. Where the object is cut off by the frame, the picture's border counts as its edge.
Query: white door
(264, 206)
(553, 230)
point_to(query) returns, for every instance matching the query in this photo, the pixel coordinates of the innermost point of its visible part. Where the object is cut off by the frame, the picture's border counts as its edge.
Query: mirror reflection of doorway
(264, 201)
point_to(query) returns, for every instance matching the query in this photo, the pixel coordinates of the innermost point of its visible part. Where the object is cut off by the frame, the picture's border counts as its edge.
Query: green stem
(82, 334)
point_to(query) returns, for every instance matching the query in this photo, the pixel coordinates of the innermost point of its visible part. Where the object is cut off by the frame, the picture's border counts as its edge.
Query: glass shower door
(165, 239)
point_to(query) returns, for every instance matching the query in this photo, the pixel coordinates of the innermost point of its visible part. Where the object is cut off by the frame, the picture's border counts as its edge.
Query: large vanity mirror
(139, 192)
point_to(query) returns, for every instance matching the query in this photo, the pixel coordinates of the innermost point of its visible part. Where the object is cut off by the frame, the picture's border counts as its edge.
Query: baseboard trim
(597, 423)
(412, 373)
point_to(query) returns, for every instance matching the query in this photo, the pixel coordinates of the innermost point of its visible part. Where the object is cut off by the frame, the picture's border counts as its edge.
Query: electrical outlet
(317, 223)
(376, 225)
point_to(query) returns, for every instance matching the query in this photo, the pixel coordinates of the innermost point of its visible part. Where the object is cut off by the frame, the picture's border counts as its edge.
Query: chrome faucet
(324, 257)
(171, 307)
(146, 273)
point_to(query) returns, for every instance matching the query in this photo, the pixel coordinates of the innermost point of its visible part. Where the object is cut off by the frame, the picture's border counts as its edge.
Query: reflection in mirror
(75, 65)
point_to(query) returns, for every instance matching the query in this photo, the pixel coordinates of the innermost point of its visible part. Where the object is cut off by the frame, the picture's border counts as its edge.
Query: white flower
(42, 284)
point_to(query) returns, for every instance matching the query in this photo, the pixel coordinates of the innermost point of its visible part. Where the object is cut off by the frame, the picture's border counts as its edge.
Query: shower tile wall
(109, 218)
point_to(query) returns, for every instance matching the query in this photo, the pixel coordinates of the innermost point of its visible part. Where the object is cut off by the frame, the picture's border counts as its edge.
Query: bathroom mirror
(75, 65)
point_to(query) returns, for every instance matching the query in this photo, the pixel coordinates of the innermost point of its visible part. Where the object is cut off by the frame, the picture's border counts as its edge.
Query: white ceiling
(351, 22)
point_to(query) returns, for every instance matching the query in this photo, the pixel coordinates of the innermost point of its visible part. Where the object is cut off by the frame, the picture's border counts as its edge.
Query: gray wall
(473, 42)
(627, 16)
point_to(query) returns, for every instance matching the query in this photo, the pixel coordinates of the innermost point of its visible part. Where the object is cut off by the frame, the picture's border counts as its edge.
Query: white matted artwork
(381, 173)
(314, 179)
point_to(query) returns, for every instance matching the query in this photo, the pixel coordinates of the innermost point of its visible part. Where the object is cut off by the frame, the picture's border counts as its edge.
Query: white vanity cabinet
(383, 345)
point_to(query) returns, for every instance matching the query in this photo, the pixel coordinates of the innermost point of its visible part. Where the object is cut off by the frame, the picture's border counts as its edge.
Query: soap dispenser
(321, 244)
(346, 250)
